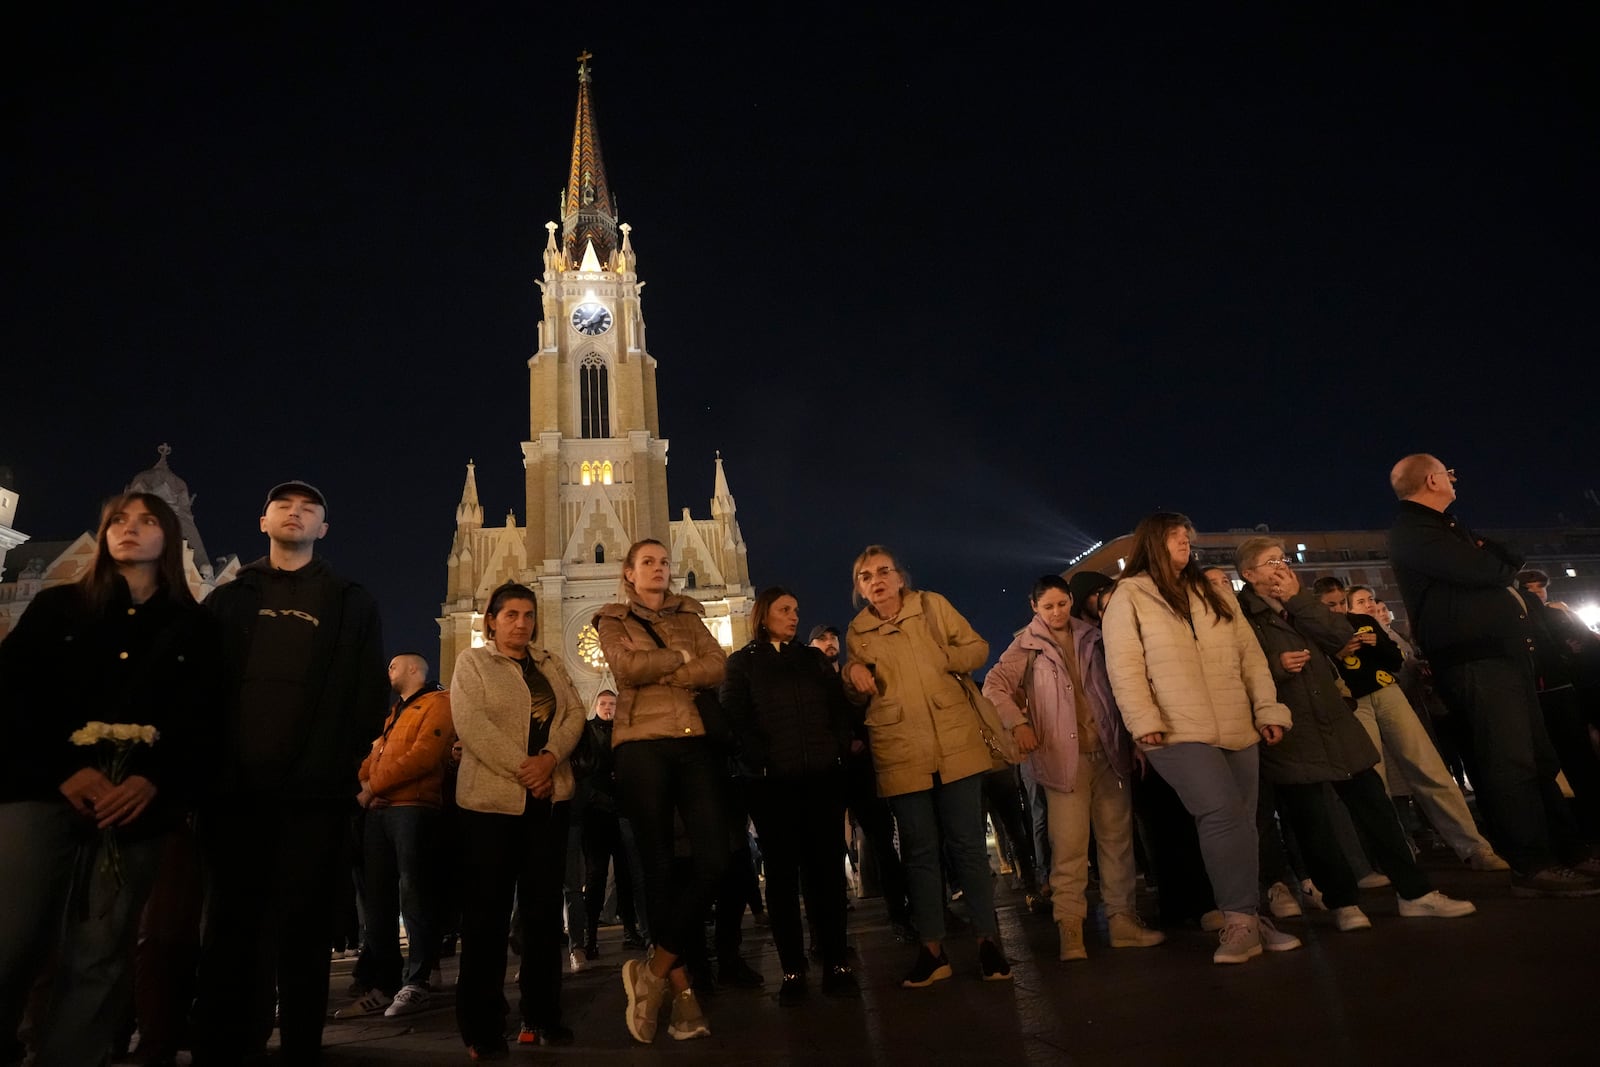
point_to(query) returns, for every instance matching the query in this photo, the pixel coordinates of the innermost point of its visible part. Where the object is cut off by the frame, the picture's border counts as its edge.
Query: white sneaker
(1239, 941)
(1373, 881)
(1351, 918)
(410, 999)
(1313, 895)
(372, 1003)
(1274, 939)
(1281, 902)
(1435, 905)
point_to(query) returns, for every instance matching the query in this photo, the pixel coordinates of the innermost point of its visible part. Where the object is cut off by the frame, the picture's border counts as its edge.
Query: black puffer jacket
(788, 709)
(67, 663)
(1457, 593)
(1326, 743)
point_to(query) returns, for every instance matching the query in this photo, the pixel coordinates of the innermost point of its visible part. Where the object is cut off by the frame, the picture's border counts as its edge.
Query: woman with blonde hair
(662, 655)
(519, 718)
(908, 652)
(1196, 695)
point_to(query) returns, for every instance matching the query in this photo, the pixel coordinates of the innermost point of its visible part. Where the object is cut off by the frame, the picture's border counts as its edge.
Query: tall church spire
(469, 513)
(722, 497)
(588, 213)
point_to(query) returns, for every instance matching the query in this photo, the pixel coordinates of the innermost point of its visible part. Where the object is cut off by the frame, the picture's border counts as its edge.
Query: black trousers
(1568, 728)
(1002, 795)
(871, 812)
(501, 855)
(800, 823)
(1172, 844)
(1306, 808)
(739, 887)
(273, 867)
(655, 780)
(602, 848)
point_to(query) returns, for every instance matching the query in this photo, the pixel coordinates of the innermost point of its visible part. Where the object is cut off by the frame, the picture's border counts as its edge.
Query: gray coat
(1327, 743)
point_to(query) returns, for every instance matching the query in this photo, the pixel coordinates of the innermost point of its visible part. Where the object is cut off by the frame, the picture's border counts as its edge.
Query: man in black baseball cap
(284, 490)
(825, 638)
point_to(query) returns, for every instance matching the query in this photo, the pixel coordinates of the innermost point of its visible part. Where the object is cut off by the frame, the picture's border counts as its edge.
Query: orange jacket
(406, 765)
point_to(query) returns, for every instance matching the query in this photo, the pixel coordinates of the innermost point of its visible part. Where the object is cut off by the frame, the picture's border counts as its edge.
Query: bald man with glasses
(1472, 624)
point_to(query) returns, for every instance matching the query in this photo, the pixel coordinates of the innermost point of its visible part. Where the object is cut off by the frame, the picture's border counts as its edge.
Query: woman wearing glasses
(907, 651)
(1196, 695)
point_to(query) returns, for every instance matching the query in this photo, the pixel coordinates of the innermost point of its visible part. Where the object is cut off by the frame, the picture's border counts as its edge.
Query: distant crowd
(199, 801)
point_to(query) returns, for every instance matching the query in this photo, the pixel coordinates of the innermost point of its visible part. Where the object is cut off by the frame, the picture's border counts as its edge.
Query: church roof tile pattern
(588, 213)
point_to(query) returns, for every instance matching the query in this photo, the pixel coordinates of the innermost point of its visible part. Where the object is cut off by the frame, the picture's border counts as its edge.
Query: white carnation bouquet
(116, 742)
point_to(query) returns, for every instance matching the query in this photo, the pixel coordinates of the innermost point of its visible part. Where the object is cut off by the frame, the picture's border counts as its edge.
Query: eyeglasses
(881, 572)
(1448, 472)
(1276, 561)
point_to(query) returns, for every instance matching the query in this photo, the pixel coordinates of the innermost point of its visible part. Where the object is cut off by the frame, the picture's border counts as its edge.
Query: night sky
(984, 287)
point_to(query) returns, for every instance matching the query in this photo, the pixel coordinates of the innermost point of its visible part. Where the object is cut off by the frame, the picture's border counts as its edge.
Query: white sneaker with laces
(1240, 939)
(1274, 939)
(1281, 902)
(410, 999)
(1351, 918)
(1435, 905)
(375, 1001)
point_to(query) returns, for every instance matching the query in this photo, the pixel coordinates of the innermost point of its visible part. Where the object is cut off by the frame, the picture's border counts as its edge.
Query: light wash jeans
(951, 812)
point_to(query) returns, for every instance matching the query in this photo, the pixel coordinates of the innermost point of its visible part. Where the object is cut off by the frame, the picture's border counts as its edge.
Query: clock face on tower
(591, 318)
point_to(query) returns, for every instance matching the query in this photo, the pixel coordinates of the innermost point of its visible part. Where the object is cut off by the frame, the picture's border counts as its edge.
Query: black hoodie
(307, 684)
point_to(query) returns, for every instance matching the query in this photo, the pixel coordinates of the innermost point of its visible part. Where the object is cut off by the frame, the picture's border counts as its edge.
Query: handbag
(997, 739)
(719, 731)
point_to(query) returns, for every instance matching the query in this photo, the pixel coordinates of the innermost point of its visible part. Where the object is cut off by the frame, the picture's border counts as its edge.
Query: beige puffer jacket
(489, 705)
(919, 721)
(656, 687)
(1208, 683)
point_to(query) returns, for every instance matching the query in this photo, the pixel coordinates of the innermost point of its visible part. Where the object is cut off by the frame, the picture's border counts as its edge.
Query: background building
(595, 463)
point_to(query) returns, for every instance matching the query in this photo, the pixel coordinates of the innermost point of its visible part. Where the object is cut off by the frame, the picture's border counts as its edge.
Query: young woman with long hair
(125, 644)
(1196, 695)
(662, 655)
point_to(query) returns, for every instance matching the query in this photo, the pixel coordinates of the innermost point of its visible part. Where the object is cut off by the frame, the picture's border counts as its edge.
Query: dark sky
(984, 287)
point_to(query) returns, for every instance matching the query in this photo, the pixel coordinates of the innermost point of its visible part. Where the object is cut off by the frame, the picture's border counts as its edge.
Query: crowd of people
(1244, 738)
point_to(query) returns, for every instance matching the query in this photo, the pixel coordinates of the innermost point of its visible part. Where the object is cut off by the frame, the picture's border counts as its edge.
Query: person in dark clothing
(1473, 627)
(794, 724)
(306, 691)
(79, 845)
(602, 833)
(1326, 744)
(1558, 667)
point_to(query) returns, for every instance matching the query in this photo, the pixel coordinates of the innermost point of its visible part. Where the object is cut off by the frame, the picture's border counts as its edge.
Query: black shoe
(632, 940)
(927, 970)
(545, 1035)
(794, 990)
(735, 973)
(591, 949)
(992, 962)
(840, 982)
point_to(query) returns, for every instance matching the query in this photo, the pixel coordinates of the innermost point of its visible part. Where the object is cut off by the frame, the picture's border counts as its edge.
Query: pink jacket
(1053, 704)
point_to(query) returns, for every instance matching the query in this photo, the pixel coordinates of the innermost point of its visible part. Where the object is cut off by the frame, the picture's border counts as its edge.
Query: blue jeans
(56, 883)
(400, 864)
(953, 812)
(1515, 764)
(1218, 787)
(1039, 811)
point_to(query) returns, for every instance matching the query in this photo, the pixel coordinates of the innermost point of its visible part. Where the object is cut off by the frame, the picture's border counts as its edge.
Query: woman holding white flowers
(106, 680)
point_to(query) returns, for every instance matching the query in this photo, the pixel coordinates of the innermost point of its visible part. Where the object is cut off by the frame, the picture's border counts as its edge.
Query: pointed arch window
(599, 553)
(586, 474)
(594, 397)
(690, 581)
(605, 473)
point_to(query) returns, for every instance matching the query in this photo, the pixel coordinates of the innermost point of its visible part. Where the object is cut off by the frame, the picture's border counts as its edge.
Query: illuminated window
(587, 475)
(605, 473)
(589, 650)
(594, 397)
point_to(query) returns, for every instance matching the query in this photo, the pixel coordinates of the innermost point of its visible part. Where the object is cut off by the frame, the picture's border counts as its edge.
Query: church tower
(594, 463)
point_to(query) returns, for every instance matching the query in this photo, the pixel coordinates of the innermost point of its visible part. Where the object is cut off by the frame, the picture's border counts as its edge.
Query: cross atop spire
(588, 212)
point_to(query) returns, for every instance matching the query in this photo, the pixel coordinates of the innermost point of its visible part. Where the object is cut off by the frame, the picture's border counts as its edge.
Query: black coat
(1326, 743)
(788, 710)
(67, 663)
(346, 692)
(1457, 593)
